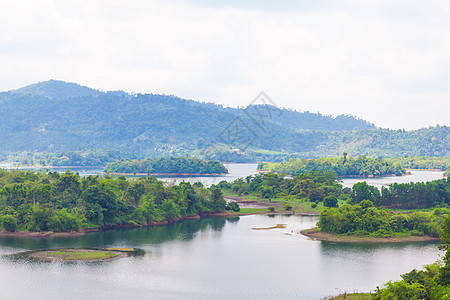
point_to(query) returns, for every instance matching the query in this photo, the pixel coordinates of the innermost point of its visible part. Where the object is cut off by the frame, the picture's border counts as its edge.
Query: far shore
(313, 233)
(167, 174)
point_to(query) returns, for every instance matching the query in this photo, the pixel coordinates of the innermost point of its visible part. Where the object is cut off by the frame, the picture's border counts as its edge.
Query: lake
(211, 258)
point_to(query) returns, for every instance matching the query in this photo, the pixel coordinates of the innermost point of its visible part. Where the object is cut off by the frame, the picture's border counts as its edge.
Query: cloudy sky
(385, 61)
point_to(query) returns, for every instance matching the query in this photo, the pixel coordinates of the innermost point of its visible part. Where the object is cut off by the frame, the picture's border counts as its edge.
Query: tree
(9, 223)
(287, 206)
(330, 201)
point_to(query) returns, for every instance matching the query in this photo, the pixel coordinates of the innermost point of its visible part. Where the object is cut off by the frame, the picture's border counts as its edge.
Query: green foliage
(271, 208)
(57, 117)
(330, 201)
(422, 162)
(41, 201)
(365, 219)
(342, 166)
(183, 165)
(9, 223)
(234, 206)
(287, 206)
(314, 205)
(315, 185)
(405, 195)
(431, 283)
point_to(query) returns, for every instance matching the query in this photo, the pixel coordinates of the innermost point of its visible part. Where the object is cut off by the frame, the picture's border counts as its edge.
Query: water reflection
(153, 235)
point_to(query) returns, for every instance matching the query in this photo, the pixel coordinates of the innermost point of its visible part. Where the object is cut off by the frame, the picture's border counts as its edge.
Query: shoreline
(314, 234)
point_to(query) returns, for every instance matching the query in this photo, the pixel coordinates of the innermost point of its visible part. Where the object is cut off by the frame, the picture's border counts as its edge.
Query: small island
(167, 166)
(82, 254)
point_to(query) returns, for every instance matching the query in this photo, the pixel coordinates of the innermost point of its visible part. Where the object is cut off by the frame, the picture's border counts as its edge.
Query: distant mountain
(56, 116)
(56, 89)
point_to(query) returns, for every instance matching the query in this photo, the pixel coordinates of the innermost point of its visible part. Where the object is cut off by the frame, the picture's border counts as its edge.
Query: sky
(387, 62)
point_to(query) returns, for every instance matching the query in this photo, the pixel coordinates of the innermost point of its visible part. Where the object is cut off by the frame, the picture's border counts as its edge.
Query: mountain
(56, 89)
(56, 116)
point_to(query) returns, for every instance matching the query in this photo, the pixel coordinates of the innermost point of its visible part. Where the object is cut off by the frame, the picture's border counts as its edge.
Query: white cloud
(385, 62)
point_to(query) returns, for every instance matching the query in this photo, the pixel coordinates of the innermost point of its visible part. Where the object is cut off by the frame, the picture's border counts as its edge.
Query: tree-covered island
(167, 166)
(345, 166)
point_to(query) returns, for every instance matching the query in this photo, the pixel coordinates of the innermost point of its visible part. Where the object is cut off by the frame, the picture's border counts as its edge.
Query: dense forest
(312, 186)
(365, 219)
(41, 201)
(343, 166)
(324, 187)
(433, 282)
(183, 165)
(405, 195)
(57, 117)
(422, 162)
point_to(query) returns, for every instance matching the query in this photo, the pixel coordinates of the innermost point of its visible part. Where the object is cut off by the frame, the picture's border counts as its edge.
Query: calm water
(213, 258)
(416, 176)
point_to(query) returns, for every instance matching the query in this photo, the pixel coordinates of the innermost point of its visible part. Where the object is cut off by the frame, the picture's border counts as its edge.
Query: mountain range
(57, 116)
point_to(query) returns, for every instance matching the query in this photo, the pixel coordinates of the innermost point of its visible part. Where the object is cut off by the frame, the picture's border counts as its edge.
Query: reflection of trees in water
(368, 249)
(153, 235)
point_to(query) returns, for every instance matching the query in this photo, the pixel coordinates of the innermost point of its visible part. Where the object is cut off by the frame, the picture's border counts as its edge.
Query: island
(188, 166)
(344, 166)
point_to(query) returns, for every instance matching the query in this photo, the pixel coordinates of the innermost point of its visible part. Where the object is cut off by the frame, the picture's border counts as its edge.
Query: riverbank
(313, 233)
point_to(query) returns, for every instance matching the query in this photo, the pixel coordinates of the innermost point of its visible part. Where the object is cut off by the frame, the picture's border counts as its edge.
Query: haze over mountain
(55, 116)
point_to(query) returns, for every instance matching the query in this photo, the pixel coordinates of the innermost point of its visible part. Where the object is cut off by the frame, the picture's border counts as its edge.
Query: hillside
(56, 116)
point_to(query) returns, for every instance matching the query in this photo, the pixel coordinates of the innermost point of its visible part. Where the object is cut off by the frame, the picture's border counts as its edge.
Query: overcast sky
(385, 61)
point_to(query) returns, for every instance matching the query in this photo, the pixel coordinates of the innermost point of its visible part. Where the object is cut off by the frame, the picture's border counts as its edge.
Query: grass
(252, 210)
(83, 255)
(355, 296)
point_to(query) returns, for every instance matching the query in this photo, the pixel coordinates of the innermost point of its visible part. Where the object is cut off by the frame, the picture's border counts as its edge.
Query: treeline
(184, 165)
(40, 201)
(433, 282)
(365, 219)
(422, 162)
(343, 166)
(312, 186)
(71, 158)
(325, 187)
(405, 195)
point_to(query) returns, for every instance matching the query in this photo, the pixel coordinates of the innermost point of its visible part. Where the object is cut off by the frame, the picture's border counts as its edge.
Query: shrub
(9, 223)
(287, 206)
(234, 206)
(330, 201)
(313, 205)
(271, 208)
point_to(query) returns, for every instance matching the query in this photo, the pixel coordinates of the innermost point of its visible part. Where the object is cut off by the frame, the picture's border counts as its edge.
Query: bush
(287, 206)
(9, 223)
(234, 206)
(330, 201)
(313, 205)
(271, 208)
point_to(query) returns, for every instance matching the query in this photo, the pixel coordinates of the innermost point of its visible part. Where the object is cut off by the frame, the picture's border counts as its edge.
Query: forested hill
(56, 116)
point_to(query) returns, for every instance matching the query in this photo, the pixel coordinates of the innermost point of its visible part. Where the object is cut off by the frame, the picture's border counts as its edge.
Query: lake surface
(213, 258)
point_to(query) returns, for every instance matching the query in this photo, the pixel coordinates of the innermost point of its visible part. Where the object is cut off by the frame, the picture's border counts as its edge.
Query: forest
(366, 220)
(324, 187)
(361, 166)
(183, 165)
(49, 201)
